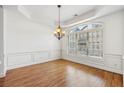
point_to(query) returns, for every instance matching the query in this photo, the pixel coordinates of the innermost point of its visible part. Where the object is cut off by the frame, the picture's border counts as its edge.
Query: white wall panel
(113, 61)
(41, 55)
(16, 60)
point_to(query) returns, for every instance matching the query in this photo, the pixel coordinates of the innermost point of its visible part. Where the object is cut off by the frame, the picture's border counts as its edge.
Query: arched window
(86, 39)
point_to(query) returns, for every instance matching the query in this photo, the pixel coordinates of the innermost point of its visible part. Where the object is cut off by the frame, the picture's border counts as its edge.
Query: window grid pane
(88, 42)
(95, 43)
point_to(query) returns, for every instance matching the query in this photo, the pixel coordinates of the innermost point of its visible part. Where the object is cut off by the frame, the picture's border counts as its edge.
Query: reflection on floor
(60, 73)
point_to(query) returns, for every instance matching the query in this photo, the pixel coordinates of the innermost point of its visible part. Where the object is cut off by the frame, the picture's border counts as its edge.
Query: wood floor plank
(60, 73)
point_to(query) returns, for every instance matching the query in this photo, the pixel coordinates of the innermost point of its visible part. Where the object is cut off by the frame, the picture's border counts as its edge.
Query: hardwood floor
(60, 73)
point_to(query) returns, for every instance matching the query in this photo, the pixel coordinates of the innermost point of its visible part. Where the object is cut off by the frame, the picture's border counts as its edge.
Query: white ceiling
(48, 14)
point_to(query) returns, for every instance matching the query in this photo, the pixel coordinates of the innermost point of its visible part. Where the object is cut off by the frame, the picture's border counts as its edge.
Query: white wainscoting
(110, 62)
(113, 61)
(16, 60)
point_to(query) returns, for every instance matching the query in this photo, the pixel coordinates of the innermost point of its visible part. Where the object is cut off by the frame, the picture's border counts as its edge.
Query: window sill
(87, 57)
(91, 57)
(95, 57)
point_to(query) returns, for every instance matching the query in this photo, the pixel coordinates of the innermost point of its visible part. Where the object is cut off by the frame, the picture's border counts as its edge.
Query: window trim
(87, 30)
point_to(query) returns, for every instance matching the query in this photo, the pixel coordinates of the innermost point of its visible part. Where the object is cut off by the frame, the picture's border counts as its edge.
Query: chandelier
(59, 33)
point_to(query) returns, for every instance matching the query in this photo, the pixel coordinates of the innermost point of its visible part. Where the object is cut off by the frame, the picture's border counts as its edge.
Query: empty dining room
(61, 45)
